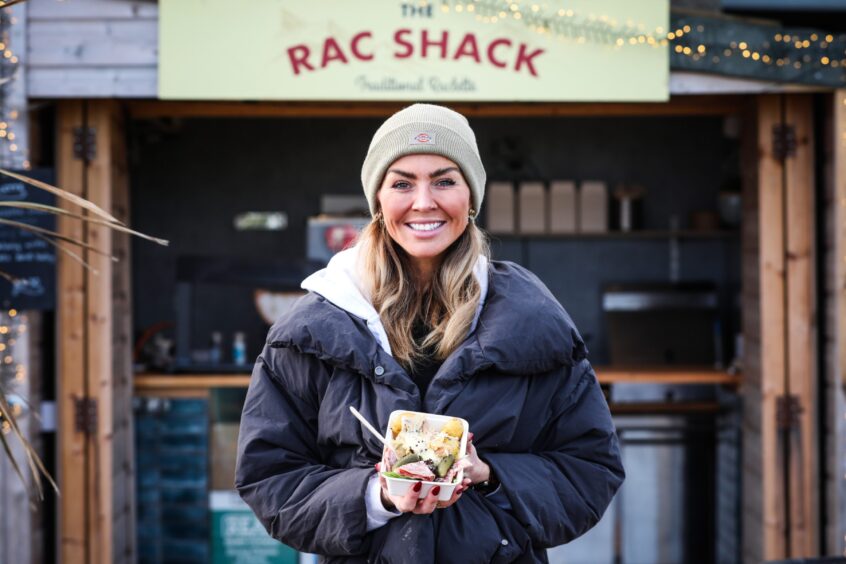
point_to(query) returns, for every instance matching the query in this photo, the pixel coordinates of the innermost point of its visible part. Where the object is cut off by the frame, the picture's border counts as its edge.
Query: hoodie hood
(340, 284)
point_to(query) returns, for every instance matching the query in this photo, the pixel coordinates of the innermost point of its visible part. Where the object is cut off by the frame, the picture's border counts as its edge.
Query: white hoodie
(340, 283)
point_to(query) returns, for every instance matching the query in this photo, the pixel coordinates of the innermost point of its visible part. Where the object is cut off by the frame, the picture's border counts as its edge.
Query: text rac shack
(500, 52)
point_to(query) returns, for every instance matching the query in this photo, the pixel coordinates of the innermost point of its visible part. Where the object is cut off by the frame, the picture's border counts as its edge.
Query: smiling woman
(416, 318)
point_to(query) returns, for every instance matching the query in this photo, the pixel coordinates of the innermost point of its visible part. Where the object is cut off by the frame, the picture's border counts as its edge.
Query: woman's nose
(423, 199)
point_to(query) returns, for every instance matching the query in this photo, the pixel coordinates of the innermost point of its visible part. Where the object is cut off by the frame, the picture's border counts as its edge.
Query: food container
(399, 486)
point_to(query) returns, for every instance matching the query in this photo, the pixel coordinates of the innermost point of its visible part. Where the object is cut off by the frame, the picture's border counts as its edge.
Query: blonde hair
(447, 305)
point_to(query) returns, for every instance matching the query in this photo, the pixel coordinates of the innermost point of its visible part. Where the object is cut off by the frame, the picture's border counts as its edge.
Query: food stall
(650, 183)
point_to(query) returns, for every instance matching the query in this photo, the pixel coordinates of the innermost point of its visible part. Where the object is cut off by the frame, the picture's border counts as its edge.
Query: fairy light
(694, 41)
(10, 156)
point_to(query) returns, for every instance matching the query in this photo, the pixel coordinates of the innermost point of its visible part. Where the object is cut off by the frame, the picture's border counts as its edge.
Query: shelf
(686, 375)
(197, 385)
(664, 408)
(686, 234)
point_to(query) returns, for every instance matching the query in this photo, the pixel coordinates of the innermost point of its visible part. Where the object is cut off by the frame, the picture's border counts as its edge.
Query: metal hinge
(788, 410)
(784, 141)
(85, 415)
(84, 143)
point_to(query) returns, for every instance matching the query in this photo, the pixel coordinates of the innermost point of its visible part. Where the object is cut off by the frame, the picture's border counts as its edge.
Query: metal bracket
(84, 143)
(85, 415)
(788, 410)
(784, 141)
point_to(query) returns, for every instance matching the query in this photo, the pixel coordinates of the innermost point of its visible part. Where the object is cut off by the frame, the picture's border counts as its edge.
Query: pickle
(445, 465)
(407, 459)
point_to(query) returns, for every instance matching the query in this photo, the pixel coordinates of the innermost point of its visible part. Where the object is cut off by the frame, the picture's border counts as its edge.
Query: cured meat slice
(417, 470)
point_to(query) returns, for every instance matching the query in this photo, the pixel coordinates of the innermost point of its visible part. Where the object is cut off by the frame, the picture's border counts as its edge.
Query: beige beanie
(424, 128)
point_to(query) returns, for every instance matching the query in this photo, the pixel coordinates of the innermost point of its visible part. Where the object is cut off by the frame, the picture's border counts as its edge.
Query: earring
(472, 216)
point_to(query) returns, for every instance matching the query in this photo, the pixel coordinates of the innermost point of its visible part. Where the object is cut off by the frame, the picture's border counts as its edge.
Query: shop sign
(238, 537)
(482, 50)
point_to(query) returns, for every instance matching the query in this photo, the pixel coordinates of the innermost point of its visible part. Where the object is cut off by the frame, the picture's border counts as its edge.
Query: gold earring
(472, 216)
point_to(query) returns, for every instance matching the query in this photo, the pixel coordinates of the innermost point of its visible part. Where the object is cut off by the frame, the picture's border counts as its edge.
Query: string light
(804, 56)
(10, 322)
(8, 70)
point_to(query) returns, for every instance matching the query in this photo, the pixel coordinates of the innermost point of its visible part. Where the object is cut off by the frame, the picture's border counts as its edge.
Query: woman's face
(425, 203)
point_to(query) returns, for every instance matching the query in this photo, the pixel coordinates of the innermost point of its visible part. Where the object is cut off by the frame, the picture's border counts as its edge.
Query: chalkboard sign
(23, 255)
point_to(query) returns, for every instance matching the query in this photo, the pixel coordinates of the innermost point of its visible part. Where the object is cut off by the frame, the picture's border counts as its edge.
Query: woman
(416, 317)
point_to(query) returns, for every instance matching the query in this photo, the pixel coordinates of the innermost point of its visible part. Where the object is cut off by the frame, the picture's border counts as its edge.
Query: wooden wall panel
(92, 49)
(91, 43)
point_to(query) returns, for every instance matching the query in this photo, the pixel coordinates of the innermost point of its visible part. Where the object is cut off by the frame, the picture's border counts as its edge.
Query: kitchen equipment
(563, 207)
(660, 324)
(532, 207)
(500, 207)
(593, 207)
(627, 213)
(326, 235)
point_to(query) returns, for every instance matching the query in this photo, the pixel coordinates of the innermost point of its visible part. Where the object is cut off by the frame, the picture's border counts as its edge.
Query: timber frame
(779, 384)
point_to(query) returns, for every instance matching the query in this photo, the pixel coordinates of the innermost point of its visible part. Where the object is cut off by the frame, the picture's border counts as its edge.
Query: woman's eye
(445, 182)
(402, 185)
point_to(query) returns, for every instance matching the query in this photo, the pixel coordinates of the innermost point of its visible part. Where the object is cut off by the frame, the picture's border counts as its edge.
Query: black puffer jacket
(522, 381)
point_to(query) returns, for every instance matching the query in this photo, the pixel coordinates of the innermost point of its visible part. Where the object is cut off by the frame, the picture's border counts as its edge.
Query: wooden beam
(773, 317)
(124, 437)
(836, 350)
(681, 105)
(801, 328)
(99, 332)
(71, 338)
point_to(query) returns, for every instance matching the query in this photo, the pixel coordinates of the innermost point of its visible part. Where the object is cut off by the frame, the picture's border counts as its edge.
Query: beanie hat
(424, 128)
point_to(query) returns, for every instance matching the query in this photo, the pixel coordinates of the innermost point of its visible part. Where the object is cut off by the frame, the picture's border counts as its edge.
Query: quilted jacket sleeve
(562, 488)
(301, 502)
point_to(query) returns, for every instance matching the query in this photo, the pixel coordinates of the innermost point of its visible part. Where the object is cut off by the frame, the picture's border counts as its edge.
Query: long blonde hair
(447, 305)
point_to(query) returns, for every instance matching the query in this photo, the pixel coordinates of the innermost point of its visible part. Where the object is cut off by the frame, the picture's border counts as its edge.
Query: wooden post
(835, 346)
(773, 367)
(72, 351)
(801, 328)
(123, 385)
(94, 348)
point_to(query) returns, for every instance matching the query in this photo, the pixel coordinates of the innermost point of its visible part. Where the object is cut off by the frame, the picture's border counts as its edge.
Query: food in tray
(423, 450)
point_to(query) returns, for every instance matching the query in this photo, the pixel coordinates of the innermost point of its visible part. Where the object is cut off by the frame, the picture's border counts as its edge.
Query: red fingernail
(436, 490)
(417, 486)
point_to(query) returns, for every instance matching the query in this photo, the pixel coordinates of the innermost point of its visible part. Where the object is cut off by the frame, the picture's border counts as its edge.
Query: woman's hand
(410, 503)
(478, 471)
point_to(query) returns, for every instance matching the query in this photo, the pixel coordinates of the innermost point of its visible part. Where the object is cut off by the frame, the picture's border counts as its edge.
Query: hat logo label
(422, 138)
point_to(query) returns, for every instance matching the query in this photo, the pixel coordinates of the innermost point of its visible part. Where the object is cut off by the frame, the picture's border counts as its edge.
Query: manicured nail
(417, 486)
(436, 490)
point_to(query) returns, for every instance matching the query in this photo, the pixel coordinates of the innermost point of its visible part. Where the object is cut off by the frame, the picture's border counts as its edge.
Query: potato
(453, 427)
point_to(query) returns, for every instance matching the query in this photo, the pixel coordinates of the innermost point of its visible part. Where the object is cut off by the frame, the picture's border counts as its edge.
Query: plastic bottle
(216, 350)
(239, 348)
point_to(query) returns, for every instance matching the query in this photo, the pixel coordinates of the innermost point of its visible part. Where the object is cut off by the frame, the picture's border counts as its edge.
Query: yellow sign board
(474, 50)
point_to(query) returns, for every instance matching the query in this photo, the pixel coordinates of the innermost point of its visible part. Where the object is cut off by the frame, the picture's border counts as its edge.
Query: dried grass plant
(93, 214)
